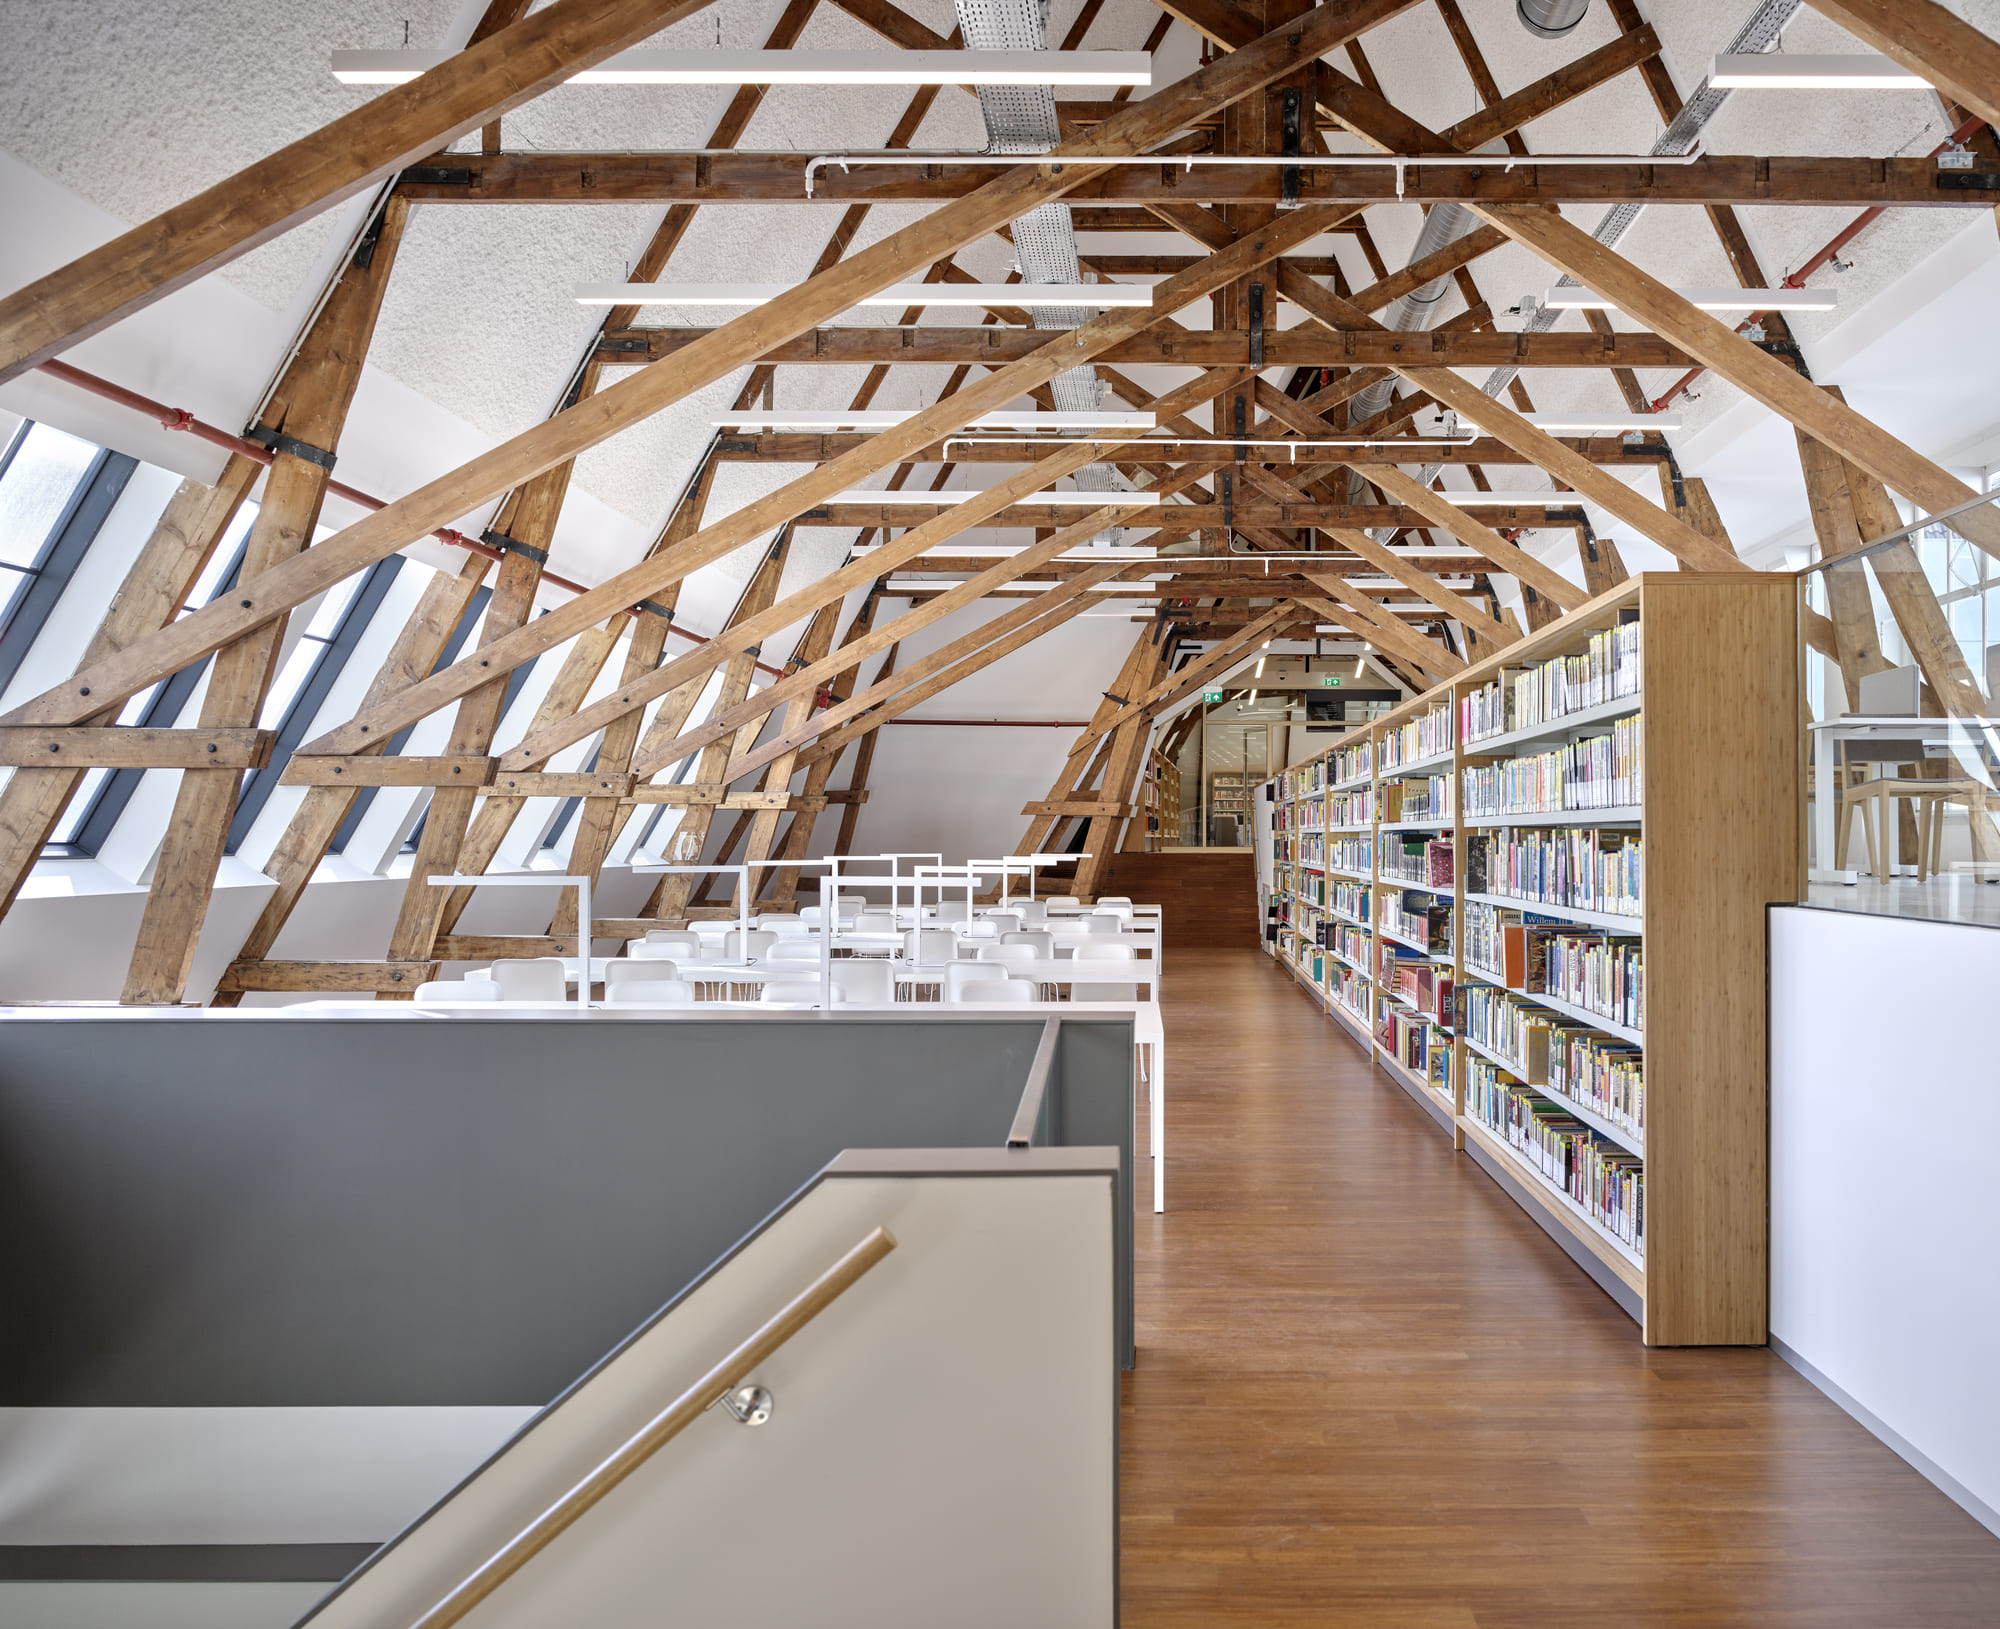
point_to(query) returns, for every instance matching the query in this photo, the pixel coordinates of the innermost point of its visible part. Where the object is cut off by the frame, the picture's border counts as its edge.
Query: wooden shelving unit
(1711, 723)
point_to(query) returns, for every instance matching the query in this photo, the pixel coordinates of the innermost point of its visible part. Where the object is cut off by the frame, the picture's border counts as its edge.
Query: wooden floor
(1370, 1391)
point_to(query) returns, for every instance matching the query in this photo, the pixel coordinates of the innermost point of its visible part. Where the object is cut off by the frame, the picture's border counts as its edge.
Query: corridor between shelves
(1371, 1390)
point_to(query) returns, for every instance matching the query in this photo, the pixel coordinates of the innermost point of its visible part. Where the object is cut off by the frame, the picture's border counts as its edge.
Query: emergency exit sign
(1329, 681)
(1211, 695)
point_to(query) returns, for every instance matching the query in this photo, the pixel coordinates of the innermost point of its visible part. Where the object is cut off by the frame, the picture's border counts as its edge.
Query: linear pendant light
(1584, 422)
(798, 68)
(1067, 500)
(1511, 500)
(1101, 295)
(832, 418)
(1777, 71)
(1571, 298)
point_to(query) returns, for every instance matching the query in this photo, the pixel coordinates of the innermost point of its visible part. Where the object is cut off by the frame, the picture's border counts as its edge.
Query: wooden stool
(1975, 795)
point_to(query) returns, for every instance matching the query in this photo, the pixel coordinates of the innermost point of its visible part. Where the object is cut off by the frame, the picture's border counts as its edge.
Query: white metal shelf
(1625, 815)
(1602, 1124)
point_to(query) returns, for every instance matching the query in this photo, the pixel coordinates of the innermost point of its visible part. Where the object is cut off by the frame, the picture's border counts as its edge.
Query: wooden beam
(155, 588)
(561, 438)
(322, 811)
(1162, 694)
(118, 746)
(1928, 40)
(721, 180)
(811, 447)
(725, 536)
(1756, 373)
(1362, 617)
(326, 978)
(936, 662)
(308, 410)
(394, 129)
(1300, 347)
(462, 770)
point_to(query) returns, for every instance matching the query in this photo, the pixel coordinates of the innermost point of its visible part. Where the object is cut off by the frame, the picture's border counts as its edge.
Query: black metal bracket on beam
(1680, 487)
(513, 545)
(655, 608)
(1229, 498)
(1256, 346)
(1242, 430)
(1120, 700)
(1968, 181)
(371, 234)
(431, 175)
(621, 347)
(277, 441)
(1288, 177)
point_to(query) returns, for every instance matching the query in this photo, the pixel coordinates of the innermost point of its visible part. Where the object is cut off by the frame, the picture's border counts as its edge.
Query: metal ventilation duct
(1022, 119)
(1551, 19)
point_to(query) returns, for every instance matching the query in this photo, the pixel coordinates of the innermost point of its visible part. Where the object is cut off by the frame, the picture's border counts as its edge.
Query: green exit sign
(1329, 681)
(1211, 695)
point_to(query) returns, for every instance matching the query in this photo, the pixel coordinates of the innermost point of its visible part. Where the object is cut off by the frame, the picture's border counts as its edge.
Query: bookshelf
(1229, 799)
(1160, 807)
(1541, 913)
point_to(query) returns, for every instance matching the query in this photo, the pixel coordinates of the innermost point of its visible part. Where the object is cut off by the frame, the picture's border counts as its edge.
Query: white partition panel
(1885, 1194)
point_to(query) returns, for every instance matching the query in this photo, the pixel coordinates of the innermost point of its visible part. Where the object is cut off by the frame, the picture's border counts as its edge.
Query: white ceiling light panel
(797, 68)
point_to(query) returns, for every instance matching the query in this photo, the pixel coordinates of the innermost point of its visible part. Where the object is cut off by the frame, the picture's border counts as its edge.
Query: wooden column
(305, 415)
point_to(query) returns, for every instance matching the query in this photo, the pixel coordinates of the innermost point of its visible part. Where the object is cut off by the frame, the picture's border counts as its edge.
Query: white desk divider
(741, 872)
(540, 879)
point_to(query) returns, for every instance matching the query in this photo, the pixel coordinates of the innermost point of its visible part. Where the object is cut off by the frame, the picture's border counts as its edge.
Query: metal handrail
(710, 1389)
(1890, 539)
(1022, 1133)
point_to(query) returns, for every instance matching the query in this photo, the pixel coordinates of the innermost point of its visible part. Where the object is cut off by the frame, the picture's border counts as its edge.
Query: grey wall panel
(258, 1210)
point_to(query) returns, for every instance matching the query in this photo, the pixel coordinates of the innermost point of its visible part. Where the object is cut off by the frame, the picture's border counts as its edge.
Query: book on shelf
(1425, 736)
(1587, 868)
(1422, 917)
(1355, 854)
(1414, 857)
(1594, 772)
(1426, 797)
(1606, 1181)
(1599, 972)
(1545, 692)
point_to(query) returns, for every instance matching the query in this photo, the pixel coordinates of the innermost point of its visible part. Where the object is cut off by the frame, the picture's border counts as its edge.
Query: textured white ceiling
(134, 108)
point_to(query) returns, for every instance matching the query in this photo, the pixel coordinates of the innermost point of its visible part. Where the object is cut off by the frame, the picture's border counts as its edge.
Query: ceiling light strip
(1566, 298)
(1777, 71)
(797, 68)
(1103, 296)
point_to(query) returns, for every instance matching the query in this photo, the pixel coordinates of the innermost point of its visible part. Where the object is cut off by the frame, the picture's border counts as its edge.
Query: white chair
(929, 946)
(1064, 905)
(648, 993)
(536, 978)
(738, 946)
(1090, 952)
(1113, 899)
(780, 991)
(796, 950)
(865, 978)
(951, 910)
(874, 922)
(992, 989)
(1030, 910)
(1004, 922)
(958, 974)
(1103, 922)
(1004, 952)
(455, 992)
(637, 968)
(810, 913)
(666, 947)
(984, 928)
(1122, 913)
(775, 919)
(1044, 943)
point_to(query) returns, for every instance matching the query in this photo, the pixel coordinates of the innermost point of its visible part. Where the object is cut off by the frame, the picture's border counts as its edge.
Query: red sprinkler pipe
(179, 418)
(1825, 256)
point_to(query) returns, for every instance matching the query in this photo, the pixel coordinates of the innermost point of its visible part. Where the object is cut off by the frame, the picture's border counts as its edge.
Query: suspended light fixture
(797, 68)
(944, 500)
(1569, 297)
(1585, 422)
(1510, 500)
(1103, 295)
(1776, 71)
(834, 418)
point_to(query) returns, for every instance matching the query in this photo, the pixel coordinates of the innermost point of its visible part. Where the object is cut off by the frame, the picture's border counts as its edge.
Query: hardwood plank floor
(1371, 1391)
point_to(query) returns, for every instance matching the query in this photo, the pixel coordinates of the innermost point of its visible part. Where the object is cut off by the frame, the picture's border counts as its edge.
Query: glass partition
(1900, 640)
